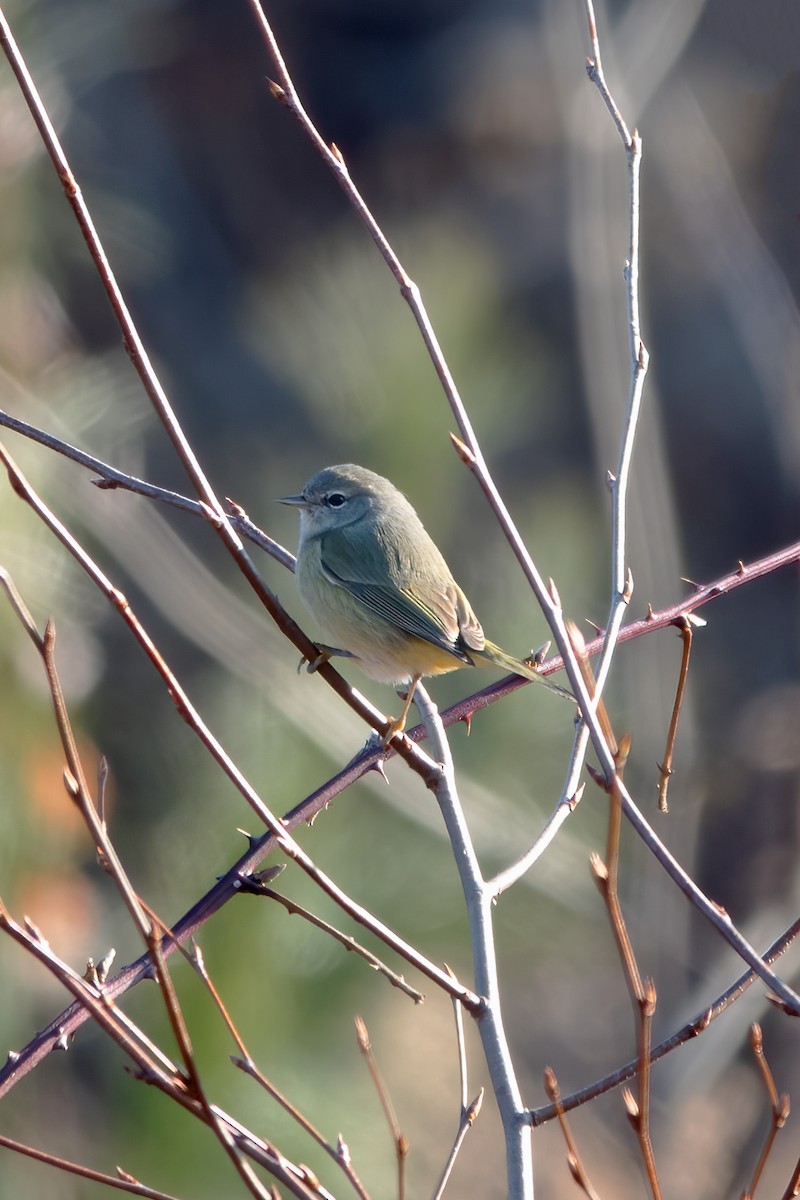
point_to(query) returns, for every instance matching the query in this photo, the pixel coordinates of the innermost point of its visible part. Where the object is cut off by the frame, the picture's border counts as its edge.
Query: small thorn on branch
(379, 767)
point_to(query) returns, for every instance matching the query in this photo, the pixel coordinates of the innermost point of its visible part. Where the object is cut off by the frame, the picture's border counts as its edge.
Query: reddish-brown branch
(577, 1169)
(685, 626)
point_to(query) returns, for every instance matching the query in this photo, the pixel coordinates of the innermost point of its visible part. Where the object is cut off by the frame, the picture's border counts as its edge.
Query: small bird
(376, 582)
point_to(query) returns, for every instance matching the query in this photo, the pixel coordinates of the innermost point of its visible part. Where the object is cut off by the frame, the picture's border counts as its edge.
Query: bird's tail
(493, 655)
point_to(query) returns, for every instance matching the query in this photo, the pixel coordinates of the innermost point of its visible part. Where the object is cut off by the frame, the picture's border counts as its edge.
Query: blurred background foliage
(284, 344)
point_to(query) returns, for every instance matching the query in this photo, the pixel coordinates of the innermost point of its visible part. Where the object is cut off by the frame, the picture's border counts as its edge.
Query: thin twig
(197, 961)
(123, 1181)
(594, 69)
(398, 1137)
(643, 994)
(254, 885)
(75, 777)
(111, 477)
(461, 1047)
(339, 1153)
(469, 1115)
(685, 626)
(577, 1169)
(564, 808)
(779, 1107)
(468, 1112)
(286, 93)
(621, 576)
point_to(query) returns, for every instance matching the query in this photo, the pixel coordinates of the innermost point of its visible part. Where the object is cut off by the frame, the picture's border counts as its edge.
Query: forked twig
(469, 1115)
(779, 1107)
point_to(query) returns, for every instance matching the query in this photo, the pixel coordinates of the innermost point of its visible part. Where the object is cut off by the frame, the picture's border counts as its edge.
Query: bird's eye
(335, 500)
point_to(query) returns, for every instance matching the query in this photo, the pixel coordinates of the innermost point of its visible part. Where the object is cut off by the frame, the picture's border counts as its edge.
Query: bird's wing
(436, 618)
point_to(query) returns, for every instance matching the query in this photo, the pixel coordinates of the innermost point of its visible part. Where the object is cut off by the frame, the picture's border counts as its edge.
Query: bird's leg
(397, 724)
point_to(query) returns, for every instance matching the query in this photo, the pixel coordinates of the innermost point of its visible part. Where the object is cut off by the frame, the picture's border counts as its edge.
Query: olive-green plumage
(377, 584)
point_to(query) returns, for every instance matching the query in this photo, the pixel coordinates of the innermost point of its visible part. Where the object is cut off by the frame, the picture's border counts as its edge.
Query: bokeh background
(284, 344)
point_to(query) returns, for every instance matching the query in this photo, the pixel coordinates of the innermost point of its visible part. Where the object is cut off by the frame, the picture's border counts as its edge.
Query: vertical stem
(479, 898)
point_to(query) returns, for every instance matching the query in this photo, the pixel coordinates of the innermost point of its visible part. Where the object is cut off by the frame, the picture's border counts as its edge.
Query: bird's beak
(298, 501)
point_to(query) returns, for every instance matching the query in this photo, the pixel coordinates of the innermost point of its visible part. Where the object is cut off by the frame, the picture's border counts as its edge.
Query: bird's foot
(314, 664)
(394, 726)
(326, 653)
